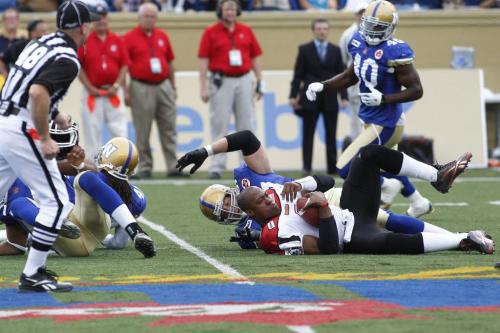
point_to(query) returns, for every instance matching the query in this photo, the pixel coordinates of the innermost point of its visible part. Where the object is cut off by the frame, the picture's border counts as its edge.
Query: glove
(312, 89)
(245, 234)
(373, 98)
(196, 157)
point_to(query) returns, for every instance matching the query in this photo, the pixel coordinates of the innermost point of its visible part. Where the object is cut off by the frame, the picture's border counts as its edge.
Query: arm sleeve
(169, 52)
(58, 75)
(255, 49)
(204, 49)
(298, 74)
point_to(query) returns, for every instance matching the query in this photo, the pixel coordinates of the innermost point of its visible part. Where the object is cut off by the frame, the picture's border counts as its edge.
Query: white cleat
(389, 190)
(421, 208)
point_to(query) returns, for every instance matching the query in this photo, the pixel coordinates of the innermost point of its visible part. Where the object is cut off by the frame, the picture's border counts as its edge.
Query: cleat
(69, 230)
(477, 240)
(43, 281)
(420, 209)
(144, 244)
(448, 172)
(389, 189)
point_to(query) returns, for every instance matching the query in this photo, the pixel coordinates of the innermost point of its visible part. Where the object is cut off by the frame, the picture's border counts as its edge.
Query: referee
(36, 83)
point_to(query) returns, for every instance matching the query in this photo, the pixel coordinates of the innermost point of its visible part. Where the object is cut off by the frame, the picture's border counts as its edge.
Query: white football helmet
(65, 138)
(218, 203)
(378, 22)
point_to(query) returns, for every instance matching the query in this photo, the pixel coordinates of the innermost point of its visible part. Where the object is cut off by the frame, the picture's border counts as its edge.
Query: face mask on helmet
(66, 138)
(218, 203)
(118, 157)
(378, 22)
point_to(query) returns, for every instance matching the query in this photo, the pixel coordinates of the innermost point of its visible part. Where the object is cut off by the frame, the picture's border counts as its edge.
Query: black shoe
(144, 244)
(43, 281)
(448, 172)
(346, 143)
(214, 175)
(177, 174)
(306, 173)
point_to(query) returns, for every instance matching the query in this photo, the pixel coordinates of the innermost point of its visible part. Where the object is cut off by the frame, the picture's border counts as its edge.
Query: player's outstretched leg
(449, 171)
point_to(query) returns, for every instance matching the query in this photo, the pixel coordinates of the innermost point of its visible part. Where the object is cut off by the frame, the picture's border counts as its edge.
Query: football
(310, 215)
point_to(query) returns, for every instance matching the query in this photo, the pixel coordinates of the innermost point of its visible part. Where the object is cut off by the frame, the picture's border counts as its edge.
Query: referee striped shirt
(51, 61)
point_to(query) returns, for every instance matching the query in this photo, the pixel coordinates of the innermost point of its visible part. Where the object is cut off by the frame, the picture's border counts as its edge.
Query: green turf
(175, 207)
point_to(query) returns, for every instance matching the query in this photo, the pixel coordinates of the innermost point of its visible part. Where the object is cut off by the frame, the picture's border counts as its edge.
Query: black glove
(258, 88)
(245, 234)
(196, 157)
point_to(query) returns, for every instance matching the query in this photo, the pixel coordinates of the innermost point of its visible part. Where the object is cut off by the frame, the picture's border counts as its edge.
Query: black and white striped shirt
(51, 61)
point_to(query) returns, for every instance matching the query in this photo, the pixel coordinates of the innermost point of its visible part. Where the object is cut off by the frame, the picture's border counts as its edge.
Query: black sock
(133, 229)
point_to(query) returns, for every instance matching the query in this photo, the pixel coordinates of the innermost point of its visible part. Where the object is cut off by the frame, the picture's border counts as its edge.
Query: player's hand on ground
(373, 98)
(196, 157)
(316, 199)
(313, 89)
(76, 155)
(49, 148)
(290, 189)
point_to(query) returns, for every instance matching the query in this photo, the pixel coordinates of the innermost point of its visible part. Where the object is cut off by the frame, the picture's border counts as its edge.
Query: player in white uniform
(360, 196)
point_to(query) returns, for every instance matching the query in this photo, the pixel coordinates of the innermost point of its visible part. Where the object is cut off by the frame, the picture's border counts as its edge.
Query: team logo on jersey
(161, 43)
(378, 54)
(113, 48)
(245, 182)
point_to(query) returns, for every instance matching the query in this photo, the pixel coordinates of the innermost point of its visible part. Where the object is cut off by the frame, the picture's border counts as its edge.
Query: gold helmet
(218, 203)
(378, 22)
(119, 157)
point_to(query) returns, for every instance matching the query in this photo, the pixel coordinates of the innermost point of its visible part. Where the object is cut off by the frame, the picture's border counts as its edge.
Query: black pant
(361, 195)
(310, 119)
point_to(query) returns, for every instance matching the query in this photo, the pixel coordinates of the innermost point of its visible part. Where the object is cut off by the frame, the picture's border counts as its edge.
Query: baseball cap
(72, 14)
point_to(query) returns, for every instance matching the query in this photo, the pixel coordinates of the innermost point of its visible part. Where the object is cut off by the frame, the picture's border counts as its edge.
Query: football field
(200, 282)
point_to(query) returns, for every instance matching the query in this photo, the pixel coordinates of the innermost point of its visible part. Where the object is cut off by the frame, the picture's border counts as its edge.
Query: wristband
(209, 149)
(308, 183)
(79, 166)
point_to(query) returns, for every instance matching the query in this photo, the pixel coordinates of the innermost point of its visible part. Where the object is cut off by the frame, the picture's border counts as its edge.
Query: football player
(100, 197)
(383, 65)
(218, 202)
(353, 228)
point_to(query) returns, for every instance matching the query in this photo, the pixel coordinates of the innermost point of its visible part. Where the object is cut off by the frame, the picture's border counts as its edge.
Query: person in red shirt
(152, 89)
(104, 62)
(230, 51)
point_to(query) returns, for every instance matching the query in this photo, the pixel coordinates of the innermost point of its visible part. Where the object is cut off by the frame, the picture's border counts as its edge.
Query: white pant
(20, 156)
(234, 96)
(103, 113)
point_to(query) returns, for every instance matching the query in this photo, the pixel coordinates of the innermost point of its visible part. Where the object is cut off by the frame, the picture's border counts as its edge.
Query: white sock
(413, 168)
(3, 235)
(123, 216)
(440, 242)
(35, 260)
(428, 227)
(415, 197)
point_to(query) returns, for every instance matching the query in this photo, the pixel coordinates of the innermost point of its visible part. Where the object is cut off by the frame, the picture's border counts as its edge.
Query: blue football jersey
(245, 177)
(374, 66)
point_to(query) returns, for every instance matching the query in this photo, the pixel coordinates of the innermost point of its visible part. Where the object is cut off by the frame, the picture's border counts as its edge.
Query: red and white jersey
(284, 233)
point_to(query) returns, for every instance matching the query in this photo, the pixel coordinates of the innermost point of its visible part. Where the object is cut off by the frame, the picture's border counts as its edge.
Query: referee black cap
(72, 14)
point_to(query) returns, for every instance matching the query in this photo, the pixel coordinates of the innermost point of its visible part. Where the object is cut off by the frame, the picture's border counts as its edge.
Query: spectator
(318, 4)
(352, 91)
(271, 5)
(316, 61)
(10, 23)
(231, 89)
(35, 28)
(152, 89)
(6, 4)
(104, 62)
(133, 5)
(489, 4)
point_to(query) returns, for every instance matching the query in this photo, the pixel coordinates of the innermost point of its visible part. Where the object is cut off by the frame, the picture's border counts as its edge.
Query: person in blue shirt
(383, 65)
(218, 202)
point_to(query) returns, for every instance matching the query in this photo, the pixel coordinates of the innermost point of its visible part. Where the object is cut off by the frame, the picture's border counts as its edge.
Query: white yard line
(300, 329)
(223, 268)
(436, 204)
